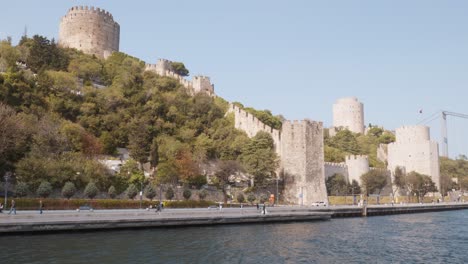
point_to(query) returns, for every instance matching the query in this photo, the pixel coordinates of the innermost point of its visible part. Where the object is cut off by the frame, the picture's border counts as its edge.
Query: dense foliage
(61, 110)
(346, 143)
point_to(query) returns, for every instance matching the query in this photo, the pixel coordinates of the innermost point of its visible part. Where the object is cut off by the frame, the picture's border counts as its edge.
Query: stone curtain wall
(198, 83)
(332, 168)
(251, 125)
(91, 30)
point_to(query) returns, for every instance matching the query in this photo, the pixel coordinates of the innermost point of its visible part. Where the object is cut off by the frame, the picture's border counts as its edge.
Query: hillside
(60, 110)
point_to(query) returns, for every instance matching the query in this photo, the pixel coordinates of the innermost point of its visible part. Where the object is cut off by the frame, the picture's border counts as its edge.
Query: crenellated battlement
(199, 83)
(357, 157)
(89, 10)
(338, 165)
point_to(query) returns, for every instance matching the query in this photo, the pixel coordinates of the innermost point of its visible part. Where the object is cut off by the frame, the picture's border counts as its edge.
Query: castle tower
(302, 162)
(349, 113)
(414, 151)
(91, 30)
(202, 84)
(357, 166)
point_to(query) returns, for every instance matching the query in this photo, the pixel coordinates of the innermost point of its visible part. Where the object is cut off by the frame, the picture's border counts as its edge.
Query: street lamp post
(141, 193)
(6, 177)
(277, 198)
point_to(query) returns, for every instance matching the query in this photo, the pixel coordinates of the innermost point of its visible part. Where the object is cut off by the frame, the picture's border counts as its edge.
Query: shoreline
(31, 222)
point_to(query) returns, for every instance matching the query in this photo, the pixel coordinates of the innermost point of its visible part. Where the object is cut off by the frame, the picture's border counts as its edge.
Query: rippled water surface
(440, 237)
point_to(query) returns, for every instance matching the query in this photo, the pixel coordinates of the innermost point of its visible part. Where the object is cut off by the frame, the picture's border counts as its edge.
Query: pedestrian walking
(258, 207)
(264, 209)
(41, 206)
(13, 207)
(1, 208)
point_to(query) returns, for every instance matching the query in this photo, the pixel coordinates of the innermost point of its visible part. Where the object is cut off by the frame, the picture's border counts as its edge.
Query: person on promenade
(13, 207)
(263, 209)
(41, 206)
(258, 207)
(1, 208)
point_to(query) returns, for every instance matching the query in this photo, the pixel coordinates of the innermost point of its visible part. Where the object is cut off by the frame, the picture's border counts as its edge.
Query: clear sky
(297, 57)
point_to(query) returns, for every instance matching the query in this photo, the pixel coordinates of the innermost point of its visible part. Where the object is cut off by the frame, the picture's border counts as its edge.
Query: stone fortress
(91, 30)
(94, 31)
(412, 151)
(299, 144)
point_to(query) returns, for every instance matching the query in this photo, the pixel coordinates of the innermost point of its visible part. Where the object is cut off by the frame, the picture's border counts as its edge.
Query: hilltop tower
(414, 151)
(91, 30)
(349, 113)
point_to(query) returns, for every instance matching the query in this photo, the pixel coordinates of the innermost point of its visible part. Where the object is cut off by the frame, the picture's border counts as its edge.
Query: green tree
(251, 198)
(354, 187)
(154, 153)
(169, 193)
(131, 191)
(44, 54)
(259, 158)
(419, 184)
(179, 68)
(21, 189)
(240, 197)
(202, 194)
(150, 192)
(112, 192)
(91, 190)
(346, 141)
(68, 190)
(187, 194)
(336, 185)
(86, 67)
(226, 169)
(44, 189)
(374, 181)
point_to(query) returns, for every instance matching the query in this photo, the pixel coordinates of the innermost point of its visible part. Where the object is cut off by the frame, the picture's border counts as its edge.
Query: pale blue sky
(297, 57)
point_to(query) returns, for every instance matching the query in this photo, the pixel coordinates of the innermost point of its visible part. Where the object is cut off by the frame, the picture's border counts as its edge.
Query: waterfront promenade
(70, 220)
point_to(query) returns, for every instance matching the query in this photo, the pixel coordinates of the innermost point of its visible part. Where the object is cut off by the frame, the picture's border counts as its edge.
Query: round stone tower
(412, 134)
(357, 166)
(91, 30)
(349, 113)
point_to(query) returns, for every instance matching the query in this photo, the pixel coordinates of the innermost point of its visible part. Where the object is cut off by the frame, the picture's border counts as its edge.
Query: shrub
(202, 194)
(169, 193)
(60, 204)
(197, 181)
(263, 198)
(150, 192)
(68, 190)
(187, 194)
(131, 191)
(91, 190)
(22, 189)
(240, 197)
(112, 192)
(44, 189)
(251, 198)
